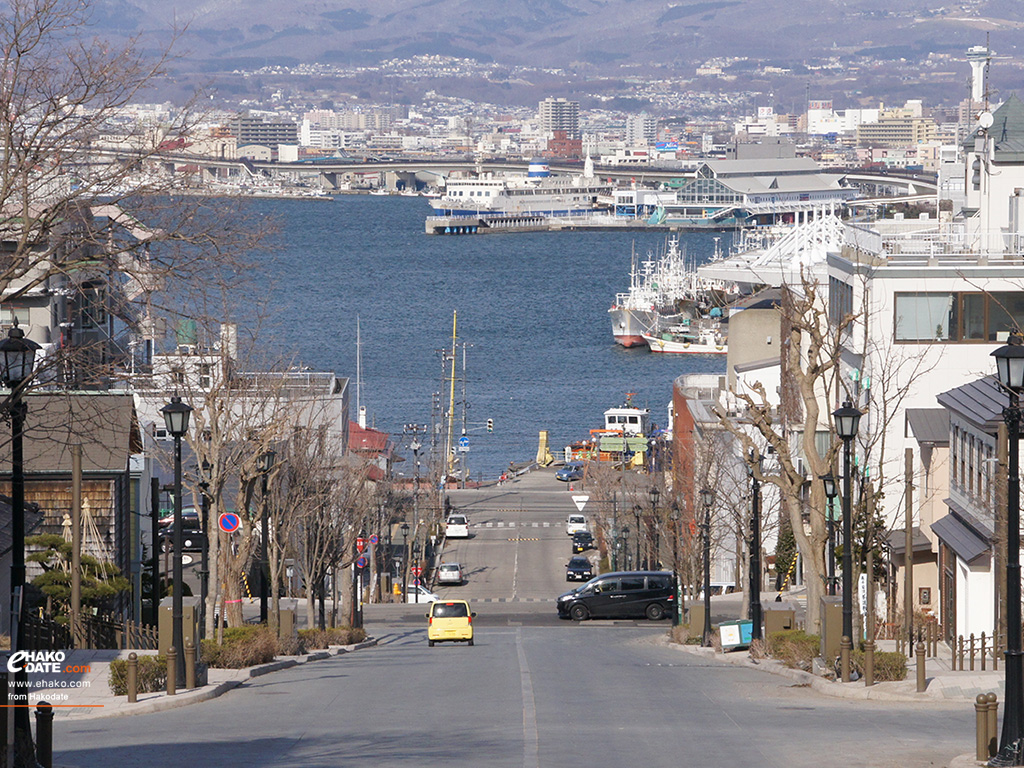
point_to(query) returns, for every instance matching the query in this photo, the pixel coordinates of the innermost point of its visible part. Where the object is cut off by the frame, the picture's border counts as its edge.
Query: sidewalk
(96, 700)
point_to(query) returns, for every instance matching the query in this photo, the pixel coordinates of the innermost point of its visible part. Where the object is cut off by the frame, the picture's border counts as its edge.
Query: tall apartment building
(641, 130)
(897, 132)
(560, 115)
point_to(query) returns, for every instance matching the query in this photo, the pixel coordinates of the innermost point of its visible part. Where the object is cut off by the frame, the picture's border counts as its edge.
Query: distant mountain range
(596, 36)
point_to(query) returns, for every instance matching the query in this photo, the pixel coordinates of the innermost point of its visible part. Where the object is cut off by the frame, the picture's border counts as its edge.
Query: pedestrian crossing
(513, 524)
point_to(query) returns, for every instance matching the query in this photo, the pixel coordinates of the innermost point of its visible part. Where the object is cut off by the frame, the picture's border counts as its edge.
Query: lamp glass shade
(708, 497)
(18, 357)
(266, 461)
(654, 493)
(176, 415)
(830, 486)
(1010, 364)
(847, 420)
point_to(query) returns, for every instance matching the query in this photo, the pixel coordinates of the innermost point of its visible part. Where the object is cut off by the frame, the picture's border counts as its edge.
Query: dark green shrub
(889, 666)
(152, 675)
(794, 648)
(242, 647)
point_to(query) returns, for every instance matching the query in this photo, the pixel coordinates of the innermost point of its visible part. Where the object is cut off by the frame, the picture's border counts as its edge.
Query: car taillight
(430, 621)
(470, 619)
(671, 597)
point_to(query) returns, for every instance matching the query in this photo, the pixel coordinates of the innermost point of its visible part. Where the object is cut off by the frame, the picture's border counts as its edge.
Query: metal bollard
(972, 651)
(921, 682)
(960, 652)
(172, 671)
(981, 727)
(133, 677)
(995, 649)
(44, 734)
(983, 651)
(6, 701)
(993, 723)
(190, 664)
(845, 646)
(869, 663)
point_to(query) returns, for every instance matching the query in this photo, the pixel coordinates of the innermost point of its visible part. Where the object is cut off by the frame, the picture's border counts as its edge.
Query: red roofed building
(372, 446)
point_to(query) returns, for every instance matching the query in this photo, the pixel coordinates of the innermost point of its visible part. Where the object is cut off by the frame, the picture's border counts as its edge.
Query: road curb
(815, 682)
(183, 698)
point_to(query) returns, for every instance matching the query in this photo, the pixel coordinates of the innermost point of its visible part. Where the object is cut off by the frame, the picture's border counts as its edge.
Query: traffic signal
(490, 425)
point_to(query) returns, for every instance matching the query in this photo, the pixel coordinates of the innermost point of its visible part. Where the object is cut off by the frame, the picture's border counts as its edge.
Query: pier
(484, 224)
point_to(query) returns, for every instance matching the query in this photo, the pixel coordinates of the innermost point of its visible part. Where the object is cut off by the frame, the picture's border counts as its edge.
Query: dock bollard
(44, 734)
(133, 677)
(921, 682)
(993, 723)
(172, 671)
(981, 727)
(190, 664)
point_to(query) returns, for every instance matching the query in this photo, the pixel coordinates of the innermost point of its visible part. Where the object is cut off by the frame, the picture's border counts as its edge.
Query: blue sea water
(532, 312)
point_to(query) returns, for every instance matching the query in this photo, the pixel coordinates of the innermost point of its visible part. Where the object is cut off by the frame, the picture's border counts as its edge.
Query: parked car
(449, 573)
(191, 536)
(582, 541)
(417, 593)
(621, 595)
(573, 470)
(449, 621)
(457, 527)
(578, 569)
(186, 515)
(575, 523)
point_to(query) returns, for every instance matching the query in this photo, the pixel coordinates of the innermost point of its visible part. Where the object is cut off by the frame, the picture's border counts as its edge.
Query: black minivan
(621, 595)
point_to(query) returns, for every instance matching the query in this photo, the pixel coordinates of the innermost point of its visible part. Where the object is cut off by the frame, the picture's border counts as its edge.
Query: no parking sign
(229, 522)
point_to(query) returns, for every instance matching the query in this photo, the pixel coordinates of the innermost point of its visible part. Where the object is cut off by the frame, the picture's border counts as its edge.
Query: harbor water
(532, 313)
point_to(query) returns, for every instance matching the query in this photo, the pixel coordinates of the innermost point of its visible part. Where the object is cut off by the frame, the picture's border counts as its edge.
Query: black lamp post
(416, 561)
(17, 360)
(707, 496)
(637, 510)
(405, 560)
(755, 548)
(847, 420)
(1010, 370)
(176, 416)
(654, 493)
(831, 491)
(204, 563)
(674, 516)
(265, 464)
(624, 544)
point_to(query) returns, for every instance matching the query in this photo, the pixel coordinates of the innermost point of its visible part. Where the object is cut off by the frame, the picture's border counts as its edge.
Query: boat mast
(449, 447)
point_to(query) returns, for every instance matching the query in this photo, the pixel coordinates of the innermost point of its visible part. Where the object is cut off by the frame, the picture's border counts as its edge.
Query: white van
(457, 527)
(575, 523)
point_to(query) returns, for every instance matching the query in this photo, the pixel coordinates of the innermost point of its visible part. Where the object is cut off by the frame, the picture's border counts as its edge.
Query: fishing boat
(688, 340)
(664, 291)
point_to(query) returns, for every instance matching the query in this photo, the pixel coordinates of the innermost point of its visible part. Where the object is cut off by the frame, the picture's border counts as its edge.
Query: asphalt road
(533, 692)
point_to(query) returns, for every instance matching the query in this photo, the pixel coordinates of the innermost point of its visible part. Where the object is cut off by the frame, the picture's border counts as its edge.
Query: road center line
(530, 749)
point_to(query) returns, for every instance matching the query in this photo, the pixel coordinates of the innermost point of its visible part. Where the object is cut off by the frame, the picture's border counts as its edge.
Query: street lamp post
(1010, 370)
(654, 493)
(847, 420)
(755, 549)
(204, 562)
(831, 492)
(176, 416)
(677, 619)
(707, 496)
(264, 465)
(405, 560)
(624, 544)
(637, 510)
(17, 360)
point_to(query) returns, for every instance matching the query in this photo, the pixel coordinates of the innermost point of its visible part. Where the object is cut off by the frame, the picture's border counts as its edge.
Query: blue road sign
(374, 539)
(229, 522)
(464, 441)
(361, 562)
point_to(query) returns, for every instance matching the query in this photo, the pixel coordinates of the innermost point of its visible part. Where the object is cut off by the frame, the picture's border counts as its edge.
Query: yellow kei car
(449, 620)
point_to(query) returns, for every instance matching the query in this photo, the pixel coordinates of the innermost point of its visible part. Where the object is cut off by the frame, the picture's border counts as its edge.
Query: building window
(958, 317)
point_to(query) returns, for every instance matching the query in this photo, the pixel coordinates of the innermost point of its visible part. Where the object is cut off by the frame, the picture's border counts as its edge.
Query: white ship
(696, 339)
(663, 291)
(535, 192)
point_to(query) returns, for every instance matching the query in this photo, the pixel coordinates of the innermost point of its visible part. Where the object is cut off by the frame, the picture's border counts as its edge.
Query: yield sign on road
(580, 502)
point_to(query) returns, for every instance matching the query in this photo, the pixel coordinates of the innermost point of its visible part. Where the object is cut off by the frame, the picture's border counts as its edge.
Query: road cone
(570, 489)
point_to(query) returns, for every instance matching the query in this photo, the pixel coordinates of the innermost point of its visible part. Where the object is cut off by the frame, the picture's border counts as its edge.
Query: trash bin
(735, 634)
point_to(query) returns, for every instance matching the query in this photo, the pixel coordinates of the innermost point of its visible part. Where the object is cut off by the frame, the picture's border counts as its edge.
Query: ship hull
(629, 325)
